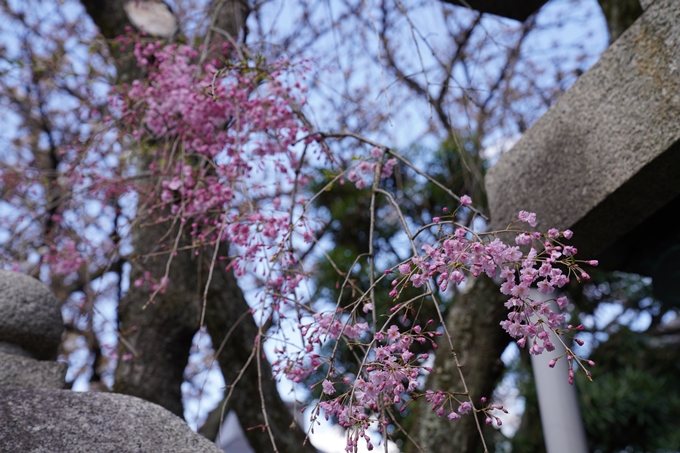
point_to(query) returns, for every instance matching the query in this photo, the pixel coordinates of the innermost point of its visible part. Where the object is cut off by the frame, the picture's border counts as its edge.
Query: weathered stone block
(18, 371)
(30, 315)
(644, 4)
(606, 155)
(49, 420)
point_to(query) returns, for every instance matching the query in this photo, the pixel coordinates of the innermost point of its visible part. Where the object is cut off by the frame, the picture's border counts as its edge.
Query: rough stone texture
(646, 4)
(17, 371)
(606, 155)
(48, 420)
(29, 315)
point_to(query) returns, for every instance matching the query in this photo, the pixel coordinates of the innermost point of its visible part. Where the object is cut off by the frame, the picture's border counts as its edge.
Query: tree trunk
(477, 336)
(158, 335)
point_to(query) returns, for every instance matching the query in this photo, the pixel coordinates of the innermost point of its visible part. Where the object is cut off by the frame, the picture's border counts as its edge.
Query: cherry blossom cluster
(389, 375)
(236, 134)
(443, 403)
(463, 253)
(389, 372)
(358, 175)
(219, 149)
(66, 260)
(325, 326)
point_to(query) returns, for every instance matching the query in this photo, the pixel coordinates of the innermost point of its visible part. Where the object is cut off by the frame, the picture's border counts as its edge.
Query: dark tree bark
(158, 335)
(110, 18)
(108, 15)
(230, 16)
(477, 336)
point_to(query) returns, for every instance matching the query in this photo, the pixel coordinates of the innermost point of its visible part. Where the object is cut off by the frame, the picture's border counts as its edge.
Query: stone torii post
(604, 161)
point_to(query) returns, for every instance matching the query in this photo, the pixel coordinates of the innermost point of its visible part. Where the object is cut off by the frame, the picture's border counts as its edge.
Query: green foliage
(632, 404)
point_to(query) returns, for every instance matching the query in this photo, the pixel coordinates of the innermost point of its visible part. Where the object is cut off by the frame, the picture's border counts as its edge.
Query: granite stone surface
(30, 315)
(58, 421)
(606, 155)
(18, 371)
(644, 4)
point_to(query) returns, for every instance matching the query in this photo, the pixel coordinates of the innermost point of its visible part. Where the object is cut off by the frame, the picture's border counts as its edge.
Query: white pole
(557, 400)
